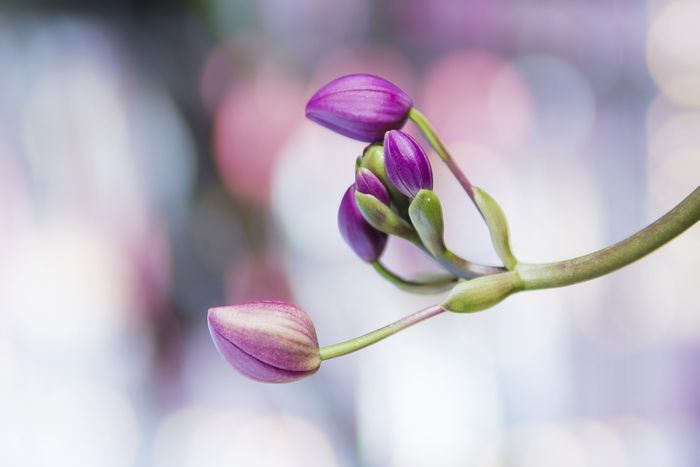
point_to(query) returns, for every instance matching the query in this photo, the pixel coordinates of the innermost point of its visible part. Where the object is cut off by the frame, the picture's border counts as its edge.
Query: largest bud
(269, 341)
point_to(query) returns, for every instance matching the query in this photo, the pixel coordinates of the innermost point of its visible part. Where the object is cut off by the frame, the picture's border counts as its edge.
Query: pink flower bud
(368, 183)
(268, 341)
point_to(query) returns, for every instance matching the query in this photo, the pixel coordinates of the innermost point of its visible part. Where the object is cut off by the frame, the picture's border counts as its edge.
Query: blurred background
(155, 161)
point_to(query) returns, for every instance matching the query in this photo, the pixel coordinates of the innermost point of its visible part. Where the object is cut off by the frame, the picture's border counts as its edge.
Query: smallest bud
(268, 341)
(373, 159)
(407, 165)
(369, 184)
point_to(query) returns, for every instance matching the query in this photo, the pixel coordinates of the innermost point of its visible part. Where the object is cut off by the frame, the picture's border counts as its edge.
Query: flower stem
(344, 348)
(454, 263)
(424, 126)
(460, 267)
(601, 262)
(429, 286)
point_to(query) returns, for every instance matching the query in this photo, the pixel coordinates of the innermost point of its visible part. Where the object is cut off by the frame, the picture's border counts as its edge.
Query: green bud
(425, 212)
(381, 217)
(483, 292)
(498, 226)
(373, 159)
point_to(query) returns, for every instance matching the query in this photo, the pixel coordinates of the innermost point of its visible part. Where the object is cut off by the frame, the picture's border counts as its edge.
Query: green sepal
(497, 224)
(425, 212)
(483, 292)
(381, 217)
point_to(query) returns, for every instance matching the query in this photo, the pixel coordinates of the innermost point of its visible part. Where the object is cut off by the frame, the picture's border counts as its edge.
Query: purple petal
(367, 242)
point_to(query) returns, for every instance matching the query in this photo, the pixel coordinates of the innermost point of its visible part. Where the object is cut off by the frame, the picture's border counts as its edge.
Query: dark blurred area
(155, 161)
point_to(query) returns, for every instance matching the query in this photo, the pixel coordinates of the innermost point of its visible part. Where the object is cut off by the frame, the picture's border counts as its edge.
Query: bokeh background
(155, 161)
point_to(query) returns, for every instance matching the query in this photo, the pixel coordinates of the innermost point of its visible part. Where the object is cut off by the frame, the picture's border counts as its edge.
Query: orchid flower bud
(367, 242)
(368, 183)
(373, 159)
(268, 341)
(360, 106)
(407, 165)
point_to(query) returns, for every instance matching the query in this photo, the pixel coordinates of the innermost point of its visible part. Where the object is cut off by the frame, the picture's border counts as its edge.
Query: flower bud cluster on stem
(392, 195)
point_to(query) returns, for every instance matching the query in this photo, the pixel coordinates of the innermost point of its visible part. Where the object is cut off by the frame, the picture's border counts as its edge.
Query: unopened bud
(373, 160)
(497, 224)
(368, 183)
(269, 341)
(407, 165)
(360, 106)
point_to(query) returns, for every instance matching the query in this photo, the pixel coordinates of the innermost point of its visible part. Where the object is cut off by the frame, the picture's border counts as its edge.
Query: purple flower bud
(407, 166)
(367, 242)
(360, 106)
(368, 183)
(269, 341)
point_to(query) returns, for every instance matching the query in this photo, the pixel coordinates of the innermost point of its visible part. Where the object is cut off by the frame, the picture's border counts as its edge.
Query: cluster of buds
(391, 196)
(386, 180)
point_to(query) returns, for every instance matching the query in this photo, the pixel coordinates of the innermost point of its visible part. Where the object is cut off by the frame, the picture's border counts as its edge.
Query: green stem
(457, 265)
(344, 348)
(601, 262)
(424, 126)
(454, 263)
(435, 285)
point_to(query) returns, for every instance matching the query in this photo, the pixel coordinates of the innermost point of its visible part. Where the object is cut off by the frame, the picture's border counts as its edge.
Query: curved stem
(353, 345)
(424, 126)
(601, 262)
(453, 263)
(435, 285)
(457, 265)
(461, 267)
